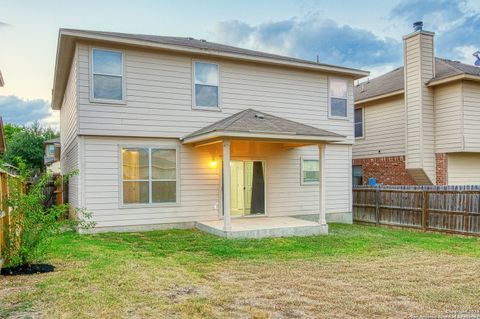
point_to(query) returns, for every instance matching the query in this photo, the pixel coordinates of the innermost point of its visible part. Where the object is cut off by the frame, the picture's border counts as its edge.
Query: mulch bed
(30, 269)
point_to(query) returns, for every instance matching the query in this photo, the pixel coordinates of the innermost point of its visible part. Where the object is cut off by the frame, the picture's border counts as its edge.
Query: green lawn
(356, 271)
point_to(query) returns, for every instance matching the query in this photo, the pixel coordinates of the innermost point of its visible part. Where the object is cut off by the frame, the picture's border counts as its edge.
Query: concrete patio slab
(261, 227)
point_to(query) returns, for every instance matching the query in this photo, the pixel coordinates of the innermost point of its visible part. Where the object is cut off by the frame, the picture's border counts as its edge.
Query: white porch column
(321, 170)
(226, 185)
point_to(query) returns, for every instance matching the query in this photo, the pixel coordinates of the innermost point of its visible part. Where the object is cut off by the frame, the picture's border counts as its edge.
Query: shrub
(32, 225)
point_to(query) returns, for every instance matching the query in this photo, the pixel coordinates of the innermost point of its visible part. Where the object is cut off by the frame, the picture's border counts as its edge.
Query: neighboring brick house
(419, 126)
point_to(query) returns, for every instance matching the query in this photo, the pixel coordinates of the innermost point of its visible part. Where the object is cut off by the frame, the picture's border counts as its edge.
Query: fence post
(377, 206)
(424, 210)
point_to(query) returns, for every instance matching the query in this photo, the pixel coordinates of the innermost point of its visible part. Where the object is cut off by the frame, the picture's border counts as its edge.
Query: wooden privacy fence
(53, 191)
(4, 214)
(452, 209)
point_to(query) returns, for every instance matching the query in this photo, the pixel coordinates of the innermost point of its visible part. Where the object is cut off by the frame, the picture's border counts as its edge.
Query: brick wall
(389, 170)
(441, 168)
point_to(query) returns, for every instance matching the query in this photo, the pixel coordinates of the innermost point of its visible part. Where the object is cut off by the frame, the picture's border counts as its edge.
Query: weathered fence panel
(453, 209)
(4, 214)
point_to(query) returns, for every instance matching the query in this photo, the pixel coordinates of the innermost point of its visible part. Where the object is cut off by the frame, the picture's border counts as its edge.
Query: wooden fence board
(453, 209)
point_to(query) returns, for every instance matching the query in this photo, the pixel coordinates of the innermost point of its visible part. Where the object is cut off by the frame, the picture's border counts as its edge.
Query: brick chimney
(419, 63)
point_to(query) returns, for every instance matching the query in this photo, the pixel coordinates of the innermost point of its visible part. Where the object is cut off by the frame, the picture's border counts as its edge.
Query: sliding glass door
(247, 188)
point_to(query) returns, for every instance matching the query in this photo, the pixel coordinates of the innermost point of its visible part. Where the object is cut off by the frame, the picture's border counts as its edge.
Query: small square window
(310, 171)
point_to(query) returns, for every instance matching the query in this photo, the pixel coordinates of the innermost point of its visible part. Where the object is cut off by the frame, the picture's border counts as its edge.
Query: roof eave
(381, 96)
(63, 63)
(453, 78)
(266, 136)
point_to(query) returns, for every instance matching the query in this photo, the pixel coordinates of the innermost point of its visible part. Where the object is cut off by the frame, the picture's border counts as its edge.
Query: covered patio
(250, 126)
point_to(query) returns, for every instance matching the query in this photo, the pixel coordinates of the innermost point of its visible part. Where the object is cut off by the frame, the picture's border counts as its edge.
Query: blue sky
(364, 34)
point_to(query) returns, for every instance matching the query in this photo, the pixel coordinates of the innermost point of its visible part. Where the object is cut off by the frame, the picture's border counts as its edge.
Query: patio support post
(226, 185)
(321, 170)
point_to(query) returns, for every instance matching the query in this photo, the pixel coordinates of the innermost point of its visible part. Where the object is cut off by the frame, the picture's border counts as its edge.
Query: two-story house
(419, 124)
(169, 132)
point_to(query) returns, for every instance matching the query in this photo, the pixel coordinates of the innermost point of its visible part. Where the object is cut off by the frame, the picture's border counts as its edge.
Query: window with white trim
(357, 175)
(107, 75)
(338, 97)
(206, 88)
(310, 171)
(358, 118)
(149, 175)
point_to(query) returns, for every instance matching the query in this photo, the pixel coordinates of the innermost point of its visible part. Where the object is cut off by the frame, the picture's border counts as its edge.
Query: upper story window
(107, 75)
(149, 175)
(359, 122)
(338, 97)
(206, 77)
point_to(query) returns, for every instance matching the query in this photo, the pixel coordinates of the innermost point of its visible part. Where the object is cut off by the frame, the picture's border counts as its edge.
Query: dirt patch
(393, 287)
(180, 293)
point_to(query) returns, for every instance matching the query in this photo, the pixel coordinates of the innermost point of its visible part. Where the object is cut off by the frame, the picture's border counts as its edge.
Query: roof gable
(252, 121)
(393, 81)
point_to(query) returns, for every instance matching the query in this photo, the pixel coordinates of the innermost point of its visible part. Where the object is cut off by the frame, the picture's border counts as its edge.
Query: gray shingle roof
(393, 81)
(202, 45)
(251, 121)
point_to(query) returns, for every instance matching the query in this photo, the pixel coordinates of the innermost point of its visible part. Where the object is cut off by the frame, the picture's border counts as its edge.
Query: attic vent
(190, 38)
(203, 40)
(259, 116)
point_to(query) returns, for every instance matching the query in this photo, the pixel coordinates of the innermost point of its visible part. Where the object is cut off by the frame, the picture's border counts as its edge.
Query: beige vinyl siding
(384, 129)
(420, 130)
(68, 111)
(471, 114)
(159, 96)
(200, 184)
(448, 118)
(69, 163)
(464, 169)
(69, 157)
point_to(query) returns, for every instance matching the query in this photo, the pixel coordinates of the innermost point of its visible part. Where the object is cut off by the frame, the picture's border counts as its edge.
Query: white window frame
(308, 158)
(336, 117)
(353, 174)
(92, 89)
(150, 180)
(194, 93)
(363, 123)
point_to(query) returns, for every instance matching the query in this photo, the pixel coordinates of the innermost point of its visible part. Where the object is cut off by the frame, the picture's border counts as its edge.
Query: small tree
(26, 143)
(32, 225)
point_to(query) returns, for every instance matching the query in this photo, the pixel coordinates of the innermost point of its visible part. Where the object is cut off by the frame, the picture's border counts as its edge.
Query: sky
(363, 34)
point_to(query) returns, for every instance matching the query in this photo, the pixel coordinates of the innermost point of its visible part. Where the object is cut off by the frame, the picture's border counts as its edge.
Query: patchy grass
(356, 271)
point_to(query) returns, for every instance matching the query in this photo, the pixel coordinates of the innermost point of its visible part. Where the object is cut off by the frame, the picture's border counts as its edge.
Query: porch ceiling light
(213, 163)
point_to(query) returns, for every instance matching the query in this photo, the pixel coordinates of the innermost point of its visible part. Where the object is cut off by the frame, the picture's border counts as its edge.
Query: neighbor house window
(149, 175)
(107, 75)
(206, 77)
(357, 172)
(359, 122)
(310, 171)
(51, 149)
(338, 97)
